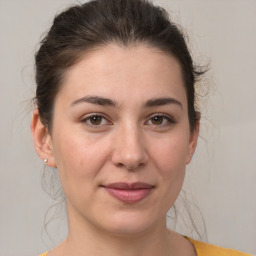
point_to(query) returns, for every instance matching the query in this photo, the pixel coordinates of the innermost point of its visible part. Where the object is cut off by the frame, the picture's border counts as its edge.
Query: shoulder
(204, 249)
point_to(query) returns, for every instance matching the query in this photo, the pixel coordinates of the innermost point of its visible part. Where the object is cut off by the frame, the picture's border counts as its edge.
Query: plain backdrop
(221, 179)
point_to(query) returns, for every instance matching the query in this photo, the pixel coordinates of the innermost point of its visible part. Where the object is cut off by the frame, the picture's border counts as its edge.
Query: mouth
(129, 192)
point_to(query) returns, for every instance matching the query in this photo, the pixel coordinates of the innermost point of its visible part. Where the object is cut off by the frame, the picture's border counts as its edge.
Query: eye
(157, 120)
(160, 120)
(95, 120)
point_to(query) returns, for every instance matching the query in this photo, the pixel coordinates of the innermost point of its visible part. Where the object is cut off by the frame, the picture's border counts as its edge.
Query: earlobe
(42, 140)
(193, 141)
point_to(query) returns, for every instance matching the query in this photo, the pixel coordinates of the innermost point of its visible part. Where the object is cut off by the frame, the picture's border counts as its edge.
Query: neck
(86, 239)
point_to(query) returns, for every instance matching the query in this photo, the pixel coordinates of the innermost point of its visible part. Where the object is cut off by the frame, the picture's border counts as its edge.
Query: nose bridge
(129, 147)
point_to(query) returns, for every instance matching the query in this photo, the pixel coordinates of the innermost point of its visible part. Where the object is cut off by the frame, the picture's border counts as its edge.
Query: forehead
(125, 71)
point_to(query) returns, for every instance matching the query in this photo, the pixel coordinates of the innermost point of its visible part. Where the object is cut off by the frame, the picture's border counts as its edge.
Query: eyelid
(88, 116)
(169, 118)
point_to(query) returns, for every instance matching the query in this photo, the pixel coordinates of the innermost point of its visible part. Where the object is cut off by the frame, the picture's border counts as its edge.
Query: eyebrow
(162, 101)
(95, 100)
(108, 102)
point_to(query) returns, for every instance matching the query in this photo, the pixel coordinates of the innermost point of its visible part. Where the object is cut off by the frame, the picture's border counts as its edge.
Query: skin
(121, 143)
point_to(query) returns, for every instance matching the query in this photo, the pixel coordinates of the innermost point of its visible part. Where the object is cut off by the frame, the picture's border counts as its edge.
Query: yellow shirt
(204, 249)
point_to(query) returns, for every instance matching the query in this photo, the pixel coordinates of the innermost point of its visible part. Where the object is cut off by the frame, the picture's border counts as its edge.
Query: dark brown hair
(98, 23)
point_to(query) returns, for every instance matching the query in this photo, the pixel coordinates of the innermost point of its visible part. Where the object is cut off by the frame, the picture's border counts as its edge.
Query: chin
(126, 224)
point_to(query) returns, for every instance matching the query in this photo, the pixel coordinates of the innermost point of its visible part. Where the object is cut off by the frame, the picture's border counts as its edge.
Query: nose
(129, 149)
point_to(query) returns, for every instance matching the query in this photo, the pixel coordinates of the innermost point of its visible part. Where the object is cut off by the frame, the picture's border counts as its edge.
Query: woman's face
(121, 138)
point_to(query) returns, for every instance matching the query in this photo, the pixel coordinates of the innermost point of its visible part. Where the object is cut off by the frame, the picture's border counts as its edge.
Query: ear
(42, 140)
(193, 141)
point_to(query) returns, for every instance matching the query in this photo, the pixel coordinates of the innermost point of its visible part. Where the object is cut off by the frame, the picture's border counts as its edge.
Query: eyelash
(88, 119)
(169, 120)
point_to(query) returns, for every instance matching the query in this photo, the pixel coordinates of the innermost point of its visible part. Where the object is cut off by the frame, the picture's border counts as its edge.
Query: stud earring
(45, 161)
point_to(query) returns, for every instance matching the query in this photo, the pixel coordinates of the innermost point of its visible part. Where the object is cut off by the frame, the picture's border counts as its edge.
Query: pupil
(96, 120)
(157, 120)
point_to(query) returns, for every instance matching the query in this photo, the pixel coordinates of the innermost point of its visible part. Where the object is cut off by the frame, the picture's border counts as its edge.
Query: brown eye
(95, 120)
(157, 120)
(160, 120)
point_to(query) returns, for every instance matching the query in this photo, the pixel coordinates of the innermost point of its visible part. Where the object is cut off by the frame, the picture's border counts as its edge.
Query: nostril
(130, 166)
(120, 165)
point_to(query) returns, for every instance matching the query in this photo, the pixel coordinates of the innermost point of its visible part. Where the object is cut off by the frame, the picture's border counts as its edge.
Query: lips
(129, 192)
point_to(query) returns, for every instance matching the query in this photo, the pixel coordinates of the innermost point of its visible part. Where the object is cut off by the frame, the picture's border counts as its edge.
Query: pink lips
(129, 192)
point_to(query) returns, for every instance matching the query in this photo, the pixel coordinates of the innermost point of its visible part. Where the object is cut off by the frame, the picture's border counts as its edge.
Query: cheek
(170, 153)
(169, 158)
(79, 158)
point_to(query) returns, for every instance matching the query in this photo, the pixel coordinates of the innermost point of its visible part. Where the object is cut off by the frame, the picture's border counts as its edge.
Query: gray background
(220, 180)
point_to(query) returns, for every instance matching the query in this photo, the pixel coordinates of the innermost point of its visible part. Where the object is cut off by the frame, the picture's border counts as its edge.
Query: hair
(96, 24)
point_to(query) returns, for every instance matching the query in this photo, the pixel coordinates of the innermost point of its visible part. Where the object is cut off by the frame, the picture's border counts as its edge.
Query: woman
(116, 116)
